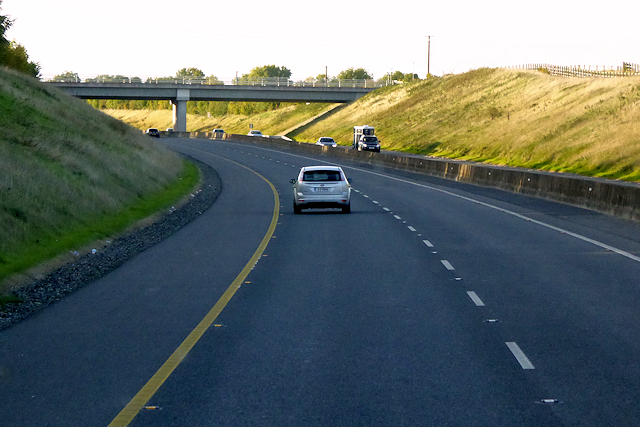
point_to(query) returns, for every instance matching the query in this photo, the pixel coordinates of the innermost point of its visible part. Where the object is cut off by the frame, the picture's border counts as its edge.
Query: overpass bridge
(179, 93)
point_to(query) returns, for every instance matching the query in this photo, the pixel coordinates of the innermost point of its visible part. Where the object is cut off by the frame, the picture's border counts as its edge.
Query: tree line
(12, 53)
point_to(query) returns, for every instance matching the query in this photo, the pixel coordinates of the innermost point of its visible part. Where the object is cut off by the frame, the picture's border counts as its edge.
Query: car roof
(323, 168)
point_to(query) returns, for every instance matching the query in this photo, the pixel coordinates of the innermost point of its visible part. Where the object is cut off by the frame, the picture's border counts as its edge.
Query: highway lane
(79, 361)
(419, 308)
(432, 303)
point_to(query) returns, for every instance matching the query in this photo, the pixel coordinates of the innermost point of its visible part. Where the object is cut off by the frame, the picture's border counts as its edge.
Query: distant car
(254, 133)
(325, 140)
(169, 129)
(369, 143)
(217, 131)
(321, 187)
(153, 132)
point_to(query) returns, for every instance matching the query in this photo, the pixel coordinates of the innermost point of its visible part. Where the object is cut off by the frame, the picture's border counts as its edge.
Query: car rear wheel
(296, 209)
(346, 209)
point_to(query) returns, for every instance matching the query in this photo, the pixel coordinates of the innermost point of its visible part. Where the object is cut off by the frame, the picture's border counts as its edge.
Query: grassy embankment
(71, 176)
(587, 126)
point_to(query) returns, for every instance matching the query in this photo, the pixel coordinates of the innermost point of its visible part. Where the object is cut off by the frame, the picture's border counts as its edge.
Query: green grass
(9, 299)
(70, 175)
(100, 228)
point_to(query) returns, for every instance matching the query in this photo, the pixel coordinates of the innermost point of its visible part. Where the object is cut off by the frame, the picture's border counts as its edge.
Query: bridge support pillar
(180, 110)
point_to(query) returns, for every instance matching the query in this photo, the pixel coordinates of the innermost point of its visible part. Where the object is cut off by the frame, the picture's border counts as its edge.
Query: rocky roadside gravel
(87, 268)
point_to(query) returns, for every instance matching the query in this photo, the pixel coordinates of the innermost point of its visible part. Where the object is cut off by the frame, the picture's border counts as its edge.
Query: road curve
(432, 303)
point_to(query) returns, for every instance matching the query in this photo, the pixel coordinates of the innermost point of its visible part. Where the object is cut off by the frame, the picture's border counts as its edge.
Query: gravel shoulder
(87, 268)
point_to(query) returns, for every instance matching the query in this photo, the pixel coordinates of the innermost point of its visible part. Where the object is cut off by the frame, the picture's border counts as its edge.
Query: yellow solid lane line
(140, 400)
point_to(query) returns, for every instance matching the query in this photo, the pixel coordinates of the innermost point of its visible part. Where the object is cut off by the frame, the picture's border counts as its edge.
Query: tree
(5, 24)
(13, 54)
(67, 76)
(320, 79)
(213, 80)
(269, 71)
(354, 74)
(105, 78)
(404, 77)
(398, 75)
(160, 79)
(190, 72)
(410, 77)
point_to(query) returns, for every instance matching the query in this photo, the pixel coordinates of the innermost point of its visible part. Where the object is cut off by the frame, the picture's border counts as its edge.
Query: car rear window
(320, 175)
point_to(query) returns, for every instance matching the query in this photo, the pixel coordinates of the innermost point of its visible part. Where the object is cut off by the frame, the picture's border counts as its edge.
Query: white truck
(364, 139)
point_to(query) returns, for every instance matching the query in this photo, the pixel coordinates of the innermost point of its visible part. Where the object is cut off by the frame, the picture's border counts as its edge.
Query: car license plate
(320, 189)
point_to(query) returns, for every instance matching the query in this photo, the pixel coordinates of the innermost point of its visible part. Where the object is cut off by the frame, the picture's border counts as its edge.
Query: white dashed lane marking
(522, 359)
(447, 264)
(475, 298)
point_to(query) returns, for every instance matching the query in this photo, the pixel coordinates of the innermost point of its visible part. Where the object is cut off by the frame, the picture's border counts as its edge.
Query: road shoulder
(87, 268)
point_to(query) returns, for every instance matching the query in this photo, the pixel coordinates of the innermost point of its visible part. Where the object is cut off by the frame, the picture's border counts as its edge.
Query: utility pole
(326, 76)
(428, 55)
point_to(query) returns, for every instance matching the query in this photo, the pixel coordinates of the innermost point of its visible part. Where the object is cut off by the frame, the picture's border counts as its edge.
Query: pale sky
(158, 37)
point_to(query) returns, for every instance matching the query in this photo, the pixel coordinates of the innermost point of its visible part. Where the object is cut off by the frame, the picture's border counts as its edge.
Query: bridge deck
(187, 92)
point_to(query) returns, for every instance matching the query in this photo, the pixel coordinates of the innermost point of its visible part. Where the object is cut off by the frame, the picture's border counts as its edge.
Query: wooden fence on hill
(627, 69)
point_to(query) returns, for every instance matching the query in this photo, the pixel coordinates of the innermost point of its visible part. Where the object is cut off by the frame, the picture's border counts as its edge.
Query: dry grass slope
(270, 122)
(65, 166)
(507, 117)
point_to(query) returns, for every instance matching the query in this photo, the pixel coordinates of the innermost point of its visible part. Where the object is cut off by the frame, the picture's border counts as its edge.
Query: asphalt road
(432, 303)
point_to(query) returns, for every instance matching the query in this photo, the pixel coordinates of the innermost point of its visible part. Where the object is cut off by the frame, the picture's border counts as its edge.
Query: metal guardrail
(266, 81)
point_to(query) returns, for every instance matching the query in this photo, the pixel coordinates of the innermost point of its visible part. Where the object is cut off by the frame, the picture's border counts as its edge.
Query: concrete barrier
(617, 198)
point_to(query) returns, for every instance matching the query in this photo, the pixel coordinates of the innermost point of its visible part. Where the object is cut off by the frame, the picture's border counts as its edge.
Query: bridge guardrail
(266, 81)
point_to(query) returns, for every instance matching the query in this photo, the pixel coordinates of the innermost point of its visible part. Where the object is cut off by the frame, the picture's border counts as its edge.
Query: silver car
(325, 140)
(321, 187)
